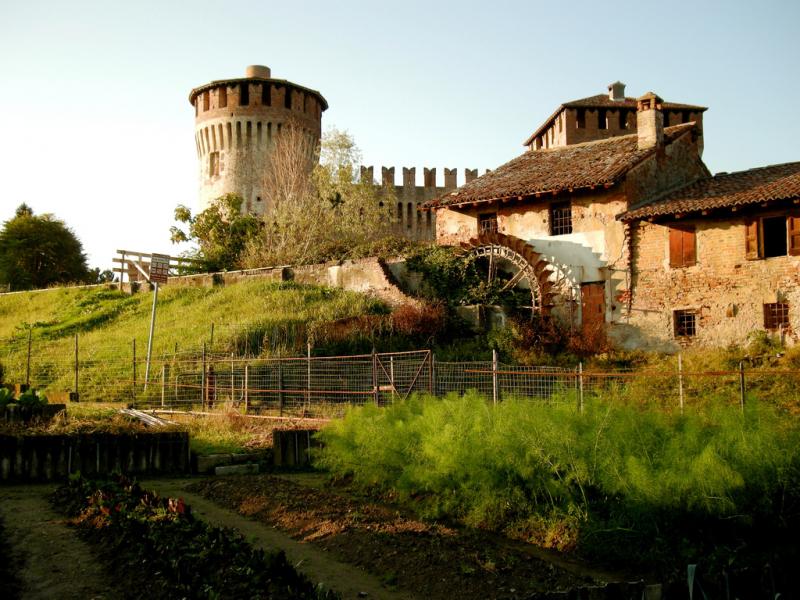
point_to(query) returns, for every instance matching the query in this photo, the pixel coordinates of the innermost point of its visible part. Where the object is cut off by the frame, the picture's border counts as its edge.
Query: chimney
(649, 121)
(257, 72)
(616, 91)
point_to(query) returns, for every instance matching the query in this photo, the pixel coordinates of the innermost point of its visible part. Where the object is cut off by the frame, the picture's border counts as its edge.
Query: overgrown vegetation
(157, 549)
(638, 488)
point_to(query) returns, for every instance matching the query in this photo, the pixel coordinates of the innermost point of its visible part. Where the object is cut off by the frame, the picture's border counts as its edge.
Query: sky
(97, 128)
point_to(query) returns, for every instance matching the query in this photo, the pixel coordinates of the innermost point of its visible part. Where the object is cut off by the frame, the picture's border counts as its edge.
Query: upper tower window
(206, 100)
(244, 94)
(287, 98)
(223, 96)
(266, 96)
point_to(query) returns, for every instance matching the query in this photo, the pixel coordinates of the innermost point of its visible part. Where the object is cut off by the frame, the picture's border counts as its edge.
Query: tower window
(561, 218)
(213, 164)
(266, 95)
(602, 123)
(685, 323)
(206, 100)
(223, 96)
(244, 94)
(287, 99)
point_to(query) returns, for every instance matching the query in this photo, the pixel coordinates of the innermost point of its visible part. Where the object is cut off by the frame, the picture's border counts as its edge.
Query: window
(487, 223)
(560, 218)
(206, 100)
(685, 323)
(623, 119)
(223, 97)
(776, 315)
(580, 121)
(213, 164)
(602, 122)
(682, 246)
(266, 97)
(766, 237)
(244, 94)
(287, 99)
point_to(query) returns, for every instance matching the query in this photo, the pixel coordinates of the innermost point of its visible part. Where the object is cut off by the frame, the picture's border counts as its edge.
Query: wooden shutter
(689, 247)
(793, 226)
(675, 247)
(682, 252)
(751, 240)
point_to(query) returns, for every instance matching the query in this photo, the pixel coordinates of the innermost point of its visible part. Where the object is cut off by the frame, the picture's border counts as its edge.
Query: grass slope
(248, 317)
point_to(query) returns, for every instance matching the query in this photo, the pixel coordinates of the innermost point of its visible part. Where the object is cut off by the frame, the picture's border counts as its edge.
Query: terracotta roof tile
(561, 168)
(724, 190)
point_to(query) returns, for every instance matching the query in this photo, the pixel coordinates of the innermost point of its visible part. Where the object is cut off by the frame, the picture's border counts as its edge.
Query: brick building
(613, 221)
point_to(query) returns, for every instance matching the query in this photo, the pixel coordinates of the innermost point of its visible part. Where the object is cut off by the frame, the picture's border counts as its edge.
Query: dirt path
(350, 581)
(55, 562)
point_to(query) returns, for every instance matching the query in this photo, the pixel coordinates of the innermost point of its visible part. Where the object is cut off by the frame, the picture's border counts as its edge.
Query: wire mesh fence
(325, 386)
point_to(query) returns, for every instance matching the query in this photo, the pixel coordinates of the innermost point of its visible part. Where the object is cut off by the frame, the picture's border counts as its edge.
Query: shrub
(615, 481)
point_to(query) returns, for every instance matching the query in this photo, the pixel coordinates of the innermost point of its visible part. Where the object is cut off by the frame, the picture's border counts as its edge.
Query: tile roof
(570, 167)
(603, 101)
(754, 186)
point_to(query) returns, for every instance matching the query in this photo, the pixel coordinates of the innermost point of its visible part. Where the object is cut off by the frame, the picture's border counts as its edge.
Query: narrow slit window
(580, 118)
(213, 164)
(287, 99)
(206, 100)
(266, 96)
(244, 94)
(623, 119)
(223, 97)
(602, 121)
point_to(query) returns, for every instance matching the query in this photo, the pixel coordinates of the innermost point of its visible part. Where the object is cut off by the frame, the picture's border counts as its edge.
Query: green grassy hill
(254, 317)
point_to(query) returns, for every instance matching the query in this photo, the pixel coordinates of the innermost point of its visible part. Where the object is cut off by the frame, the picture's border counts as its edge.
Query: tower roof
(219, 82)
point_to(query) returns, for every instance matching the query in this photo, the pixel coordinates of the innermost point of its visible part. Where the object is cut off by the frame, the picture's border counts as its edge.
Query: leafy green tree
(220, 232)
(39, 250)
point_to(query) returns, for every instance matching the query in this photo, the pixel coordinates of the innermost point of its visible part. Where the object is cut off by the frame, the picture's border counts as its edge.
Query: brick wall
(727, 291)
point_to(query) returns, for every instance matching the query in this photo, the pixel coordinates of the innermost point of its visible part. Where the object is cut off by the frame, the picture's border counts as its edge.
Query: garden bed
(156, 549)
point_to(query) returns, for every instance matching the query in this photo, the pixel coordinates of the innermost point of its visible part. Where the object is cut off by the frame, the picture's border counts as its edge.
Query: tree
(39, 250)
(221, 232)
(316, 212)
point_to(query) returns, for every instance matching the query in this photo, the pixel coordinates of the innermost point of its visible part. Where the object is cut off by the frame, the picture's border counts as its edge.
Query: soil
(48, 557)
(421, 559)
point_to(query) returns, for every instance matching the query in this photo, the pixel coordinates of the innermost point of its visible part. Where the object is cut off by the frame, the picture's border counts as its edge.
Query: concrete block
(249, 469)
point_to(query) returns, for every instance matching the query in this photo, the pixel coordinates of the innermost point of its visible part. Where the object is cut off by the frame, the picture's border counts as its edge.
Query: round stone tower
(236, 123)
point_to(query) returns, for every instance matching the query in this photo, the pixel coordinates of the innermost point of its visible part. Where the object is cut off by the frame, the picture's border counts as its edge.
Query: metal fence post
(308, 378)
(76, 393)
(580, 387)
(375, 392)
(246, 386)
(495, 390)
(680, 380)
(28, 363)
(434, 381)
(203, 378)
(133, 364)
(280, 385)
(163, 384)
(233, 389)
(741, 385)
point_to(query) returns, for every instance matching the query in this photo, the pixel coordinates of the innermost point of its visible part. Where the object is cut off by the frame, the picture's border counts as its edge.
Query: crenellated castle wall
(408, 196)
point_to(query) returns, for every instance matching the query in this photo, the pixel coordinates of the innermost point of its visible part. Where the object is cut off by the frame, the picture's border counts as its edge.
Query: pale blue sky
(97, 127)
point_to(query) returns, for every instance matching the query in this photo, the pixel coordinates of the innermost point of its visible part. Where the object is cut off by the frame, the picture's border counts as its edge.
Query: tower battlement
(448, 181)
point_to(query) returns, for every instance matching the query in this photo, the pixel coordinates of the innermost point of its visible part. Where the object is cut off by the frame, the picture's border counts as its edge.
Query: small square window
(685, 322)
(561, 218)
(776, 315)
(487, 223)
